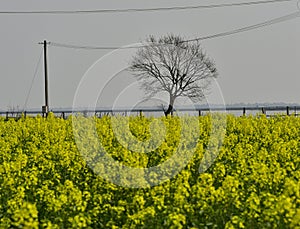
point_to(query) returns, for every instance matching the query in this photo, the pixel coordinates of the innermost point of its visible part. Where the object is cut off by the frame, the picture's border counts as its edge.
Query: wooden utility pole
(45, 108)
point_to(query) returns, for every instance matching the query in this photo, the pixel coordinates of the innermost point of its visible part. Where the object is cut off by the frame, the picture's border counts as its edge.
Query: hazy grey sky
(256, 66)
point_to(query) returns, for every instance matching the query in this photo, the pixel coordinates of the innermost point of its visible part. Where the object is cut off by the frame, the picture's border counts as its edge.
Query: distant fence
(266, 110)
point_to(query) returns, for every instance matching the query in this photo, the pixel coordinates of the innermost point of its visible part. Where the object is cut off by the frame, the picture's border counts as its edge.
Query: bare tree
(174, 66)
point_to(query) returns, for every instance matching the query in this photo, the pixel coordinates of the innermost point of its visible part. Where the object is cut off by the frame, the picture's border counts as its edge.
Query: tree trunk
(169, 111)
(170, 108)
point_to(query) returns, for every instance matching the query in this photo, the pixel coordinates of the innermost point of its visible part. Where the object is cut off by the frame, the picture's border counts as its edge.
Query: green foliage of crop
(253, 183)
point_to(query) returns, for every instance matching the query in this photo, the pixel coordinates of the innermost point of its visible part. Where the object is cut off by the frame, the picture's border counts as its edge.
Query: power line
(251, 27)
(227, 33)
(32, 81)
(61, 45)
(129, 10)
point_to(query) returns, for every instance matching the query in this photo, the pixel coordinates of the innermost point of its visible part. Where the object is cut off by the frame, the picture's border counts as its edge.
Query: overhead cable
(222, 34)
(32, 81)
(131, 10)
(248, 28)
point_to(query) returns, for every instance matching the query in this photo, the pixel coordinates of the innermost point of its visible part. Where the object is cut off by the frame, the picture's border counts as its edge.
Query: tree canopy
(170, 64)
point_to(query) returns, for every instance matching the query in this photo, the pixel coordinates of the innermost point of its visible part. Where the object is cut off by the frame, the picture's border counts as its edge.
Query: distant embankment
(236, 110)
